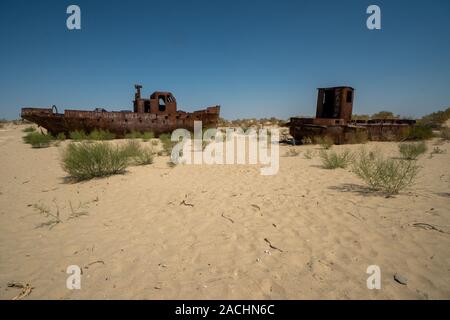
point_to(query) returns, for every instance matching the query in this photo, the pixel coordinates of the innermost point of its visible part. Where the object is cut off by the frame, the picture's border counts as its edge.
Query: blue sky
(254, 58)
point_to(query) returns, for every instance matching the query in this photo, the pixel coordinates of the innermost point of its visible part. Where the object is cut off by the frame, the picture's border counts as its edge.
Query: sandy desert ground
(135, 238)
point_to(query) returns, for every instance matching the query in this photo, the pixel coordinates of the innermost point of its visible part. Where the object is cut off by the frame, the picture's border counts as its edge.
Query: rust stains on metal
(334, 119)
(158, 114)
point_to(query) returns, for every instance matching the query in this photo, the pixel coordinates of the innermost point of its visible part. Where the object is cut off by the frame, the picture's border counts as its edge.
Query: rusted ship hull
(157, 114)
(119, 123)
(354, 132)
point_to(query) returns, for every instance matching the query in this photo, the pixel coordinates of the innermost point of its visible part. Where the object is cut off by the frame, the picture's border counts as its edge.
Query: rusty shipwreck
(334, 119)
(158, 114)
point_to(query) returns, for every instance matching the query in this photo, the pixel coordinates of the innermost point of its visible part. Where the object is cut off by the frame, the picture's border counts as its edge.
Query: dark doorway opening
(328, 104)
(147, 106)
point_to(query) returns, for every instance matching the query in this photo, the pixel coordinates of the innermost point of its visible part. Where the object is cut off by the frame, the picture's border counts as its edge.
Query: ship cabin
(335, 103)
(159, 102)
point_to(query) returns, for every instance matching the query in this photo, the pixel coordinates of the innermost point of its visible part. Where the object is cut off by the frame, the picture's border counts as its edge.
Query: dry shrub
(89, 160)
(292, 152)
(411, 151)
(38, 140)
(334, 160)
(325, 142)
(384, 174)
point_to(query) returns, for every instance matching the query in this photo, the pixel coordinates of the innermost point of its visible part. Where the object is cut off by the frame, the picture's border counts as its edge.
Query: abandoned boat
(158, 114)
(334, 119)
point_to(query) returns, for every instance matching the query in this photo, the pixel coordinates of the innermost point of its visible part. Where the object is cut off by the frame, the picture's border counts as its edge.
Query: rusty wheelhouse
(334, 119)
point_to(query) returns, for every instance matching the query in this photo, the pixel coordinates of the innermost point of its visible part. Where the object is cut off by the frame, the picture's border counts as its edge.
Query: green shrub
(386, 175)
(167, 143)
(138, 135)
(325, 142)
(133, 135)
(78, 135)
(61, 136)
(29, 129)
(148, 135)
(131, 149)
(384, 115)
(136, 154)
(144, 157)
(101, 135)
(38, 140)
(410, 151)
(333, 160)
(89, 160)
(435, 120)
(418, 132)
(445, 133)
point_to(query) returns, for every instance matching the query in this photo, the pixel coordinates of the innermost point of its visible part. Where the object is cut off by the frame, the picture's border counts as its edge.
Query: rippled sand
(136, 238)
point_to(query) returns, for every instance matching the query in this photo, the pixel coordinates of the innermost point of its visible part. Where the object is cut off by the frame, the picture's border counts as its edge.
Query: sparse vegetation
(387, 175)
(148, 135)
(38, 140)
(418, 132)
(136, 154)
(325, 142)
(131, 149)
(334, 160)
(78, 135)
(306, 140)
(435, 120)
(384, 115)
(411, 151)
(359, 137)
(309, 154)
(360, 117)
(167, 143)
(292, 152)
(445, 134)
(145, 157)
(53, 218)
(101, 135)
(133, 135)
(94, 135)
(89, 160)
(138, 135)
(252, 122)
(436, 150)
(61, 136)
(29, 129)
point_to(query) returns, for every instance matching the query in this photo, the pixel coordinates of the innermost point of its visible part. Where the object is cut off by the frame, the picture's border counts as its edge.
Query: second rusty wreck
(334, 119)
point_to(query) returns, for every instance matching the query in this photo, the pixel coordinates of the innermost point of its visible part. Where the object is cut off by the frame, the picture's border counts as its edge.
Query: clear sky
(254, 58)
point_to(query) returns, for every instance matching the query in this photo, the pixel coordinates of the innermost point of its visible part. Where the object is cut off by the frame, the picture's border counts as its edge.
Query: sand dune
(136, 239)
